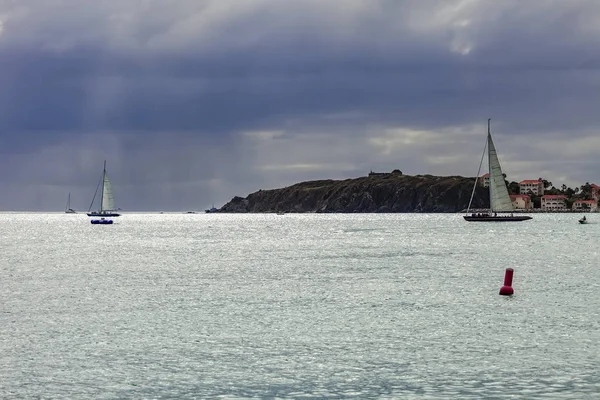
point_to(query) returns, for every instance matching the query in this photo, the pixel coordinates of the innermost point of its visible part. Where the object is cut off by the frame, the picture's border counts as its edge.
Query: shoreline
(532, 211)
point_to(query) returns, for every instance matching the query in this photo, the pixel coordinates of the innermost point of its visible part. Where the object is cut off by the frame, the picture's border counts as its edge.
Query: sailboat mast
(102, 192)
(68, 202)
(490, 164)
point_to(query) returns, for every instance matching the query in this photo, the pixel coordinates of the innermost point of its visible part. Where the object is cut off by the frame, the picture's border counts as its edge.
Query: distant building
(554, 202)
(394, 172)
(595, 191)
(535, 186)
(378, 173)
(484, 180)
(521, 201)
(585, 205)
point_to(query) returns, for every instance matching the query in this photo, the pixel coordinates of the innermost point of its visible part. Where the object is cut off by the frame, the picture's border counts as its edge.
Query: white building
(554, 202)
(535, 186)
(585, 205)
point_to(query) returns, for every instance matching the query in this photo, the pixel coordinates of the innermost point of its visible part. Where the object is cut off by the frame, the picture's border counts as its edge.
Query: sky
(193, 102)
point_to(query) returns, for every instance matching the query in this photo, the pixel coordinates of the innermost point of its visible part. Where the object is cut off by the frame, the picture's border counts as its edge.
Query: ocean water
(187, 306)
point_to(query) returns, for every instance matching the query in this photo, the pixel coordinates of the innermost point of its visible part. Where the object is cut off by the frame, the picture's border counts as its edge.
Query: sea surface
(194, 306)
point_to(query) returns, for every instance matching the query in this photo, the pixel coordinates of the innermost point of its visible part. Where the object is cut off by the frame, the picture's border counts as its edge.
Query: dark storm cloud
(167, 90)
(291, 67)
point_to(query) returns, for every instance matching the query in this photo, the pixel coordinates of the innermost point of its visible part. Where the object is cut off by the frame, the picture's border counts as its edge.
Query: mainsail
(108, 199)
(499, 198)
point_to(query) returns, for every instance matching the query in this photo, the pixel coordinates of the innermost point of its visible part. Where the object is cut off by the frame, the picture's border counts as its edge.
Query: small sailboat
(68, 209)
(107, 199)
(211, 210)
(499, 198)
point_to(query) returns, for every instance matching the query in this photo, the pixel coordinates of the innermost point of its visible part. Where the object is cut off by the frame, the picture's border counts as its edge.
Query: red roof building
(535, 186)
(521, 201)
(554, 202)
(585, 205)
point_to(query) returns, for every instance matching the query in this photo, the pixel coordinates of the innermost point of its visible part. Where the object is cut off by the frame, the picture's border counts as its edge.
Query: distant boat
(102, 221)
(583, 220)
(68, 209)
(107, 199)
(499, 197)
(212, 210)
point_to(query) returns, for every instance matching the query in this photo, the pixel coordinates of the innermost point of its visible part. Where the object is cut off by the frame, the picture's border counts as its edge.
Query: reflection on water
(323, 306)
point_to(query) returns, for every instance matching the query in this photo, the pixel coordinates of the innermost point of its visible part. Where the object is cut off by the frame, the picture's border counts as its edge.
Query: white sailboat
(107, 199)
(499, 198)
(68, 209)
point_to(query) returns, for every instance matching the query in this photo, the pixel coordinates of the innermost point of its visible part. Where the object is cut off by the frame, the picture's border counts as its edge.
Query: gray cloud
(193, 102)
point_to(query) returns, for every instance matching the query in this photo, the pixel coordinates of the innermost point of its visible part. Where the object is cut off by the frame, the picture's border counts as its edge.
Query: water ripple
(306, 306)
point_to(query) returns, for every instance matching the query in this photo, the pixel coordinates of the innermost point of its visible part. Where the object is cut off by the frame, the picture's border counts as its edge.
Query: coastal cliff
(377, 193)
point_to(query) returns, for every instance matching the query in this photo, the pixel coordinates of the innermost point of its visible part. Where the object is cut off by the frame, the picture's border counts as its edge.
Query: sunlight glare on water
(287, 306)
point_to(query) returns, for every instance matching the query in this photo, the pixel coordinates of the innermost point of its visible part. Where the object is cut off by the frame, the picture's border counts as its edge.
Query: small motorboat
(102, 221)
(583, 221)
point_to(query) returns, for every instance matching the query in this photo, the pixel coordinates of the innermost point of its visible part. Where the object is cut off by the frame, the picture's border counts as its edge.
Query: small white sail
(68, 208)
(499, 197)
(108, 199)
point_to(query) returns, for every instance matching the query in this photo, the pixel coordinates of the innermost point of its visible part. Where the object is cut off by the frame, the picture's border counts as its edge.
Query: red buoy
(507, 289)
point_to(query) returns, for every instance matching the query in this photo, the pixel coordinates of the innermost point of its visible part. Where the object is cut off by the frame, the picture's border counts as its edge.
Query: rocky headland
(376, 193)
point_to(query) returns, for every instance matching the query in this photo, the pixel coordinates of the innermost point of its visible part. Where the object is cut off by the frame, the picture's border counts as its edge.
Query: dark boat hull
(97, 214)
(101, 222)
(499, 218)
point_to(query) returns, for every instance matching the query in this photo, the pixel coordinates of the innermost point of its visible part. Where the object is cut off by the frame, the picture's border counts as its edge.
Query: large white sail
(108, 199)
(499, 198)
